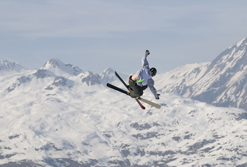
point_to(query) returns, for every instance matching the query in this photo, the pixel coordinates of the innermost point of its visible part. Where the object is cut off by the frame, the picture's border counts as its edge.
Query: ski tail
(149, 102)
(140, 104)
(121, 79)
(117, 89)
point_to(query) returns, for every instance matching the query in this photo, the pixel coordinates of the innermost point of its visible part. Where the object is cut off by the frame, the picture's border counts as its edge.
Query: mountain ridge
(60, 68)
(5, 65)
(222, 82)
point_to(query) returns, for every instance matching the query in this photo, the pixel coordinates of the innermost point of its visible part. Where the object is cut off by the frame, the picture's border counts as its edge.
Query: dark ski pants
(136, 91)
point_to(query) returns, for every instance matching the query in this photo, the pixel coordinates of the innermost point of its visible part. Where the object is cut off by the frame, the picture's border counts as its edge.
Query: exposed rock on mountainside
(90, 78)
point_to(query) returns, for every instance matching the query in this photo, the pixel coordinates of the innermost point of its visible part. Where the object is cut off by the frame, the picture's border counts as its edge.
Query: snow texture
(56, 117)
(221, 82)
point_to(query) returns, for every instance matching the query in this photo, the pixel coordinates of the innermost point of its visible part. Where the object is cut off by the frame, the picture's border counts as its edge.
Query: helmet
(153, 71)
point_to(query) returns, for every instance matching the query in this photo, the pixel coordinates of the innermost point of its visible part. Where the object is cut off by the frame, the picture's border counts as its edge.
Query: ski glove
(147, 52)
(157, 96)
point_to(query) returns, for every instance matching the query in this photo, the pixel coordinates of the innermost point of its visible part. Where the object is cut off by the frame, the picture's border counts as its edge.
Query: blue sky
(98, 34)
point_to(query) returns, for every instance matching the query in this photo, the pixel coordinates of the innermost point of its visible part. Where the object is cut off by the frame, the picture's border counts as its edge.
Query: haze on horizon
(98, 34)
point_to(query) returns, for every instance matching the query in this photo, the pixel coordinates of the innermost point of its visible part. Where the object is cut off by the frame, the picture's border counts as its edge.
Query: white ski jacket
(145, 74)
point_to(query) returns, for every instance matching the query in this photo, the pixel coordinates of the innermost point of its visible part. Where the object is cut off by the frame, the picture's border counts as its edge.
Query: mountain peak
(232, 56)
(242, 42)
(60, 68)
(53, 63)
(239, 44)
(108, 70)
(107, 75)
(221, 83)
(9, 66)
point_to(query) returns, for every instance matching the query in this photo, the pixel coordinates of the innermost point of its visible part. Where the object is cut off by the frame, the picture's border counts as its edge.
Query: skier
(143, 79)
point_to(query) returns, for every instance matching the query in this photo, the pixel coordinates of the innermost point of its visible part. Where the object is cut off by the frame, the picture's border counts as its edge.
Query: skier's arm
(152, 88)
(144, 60)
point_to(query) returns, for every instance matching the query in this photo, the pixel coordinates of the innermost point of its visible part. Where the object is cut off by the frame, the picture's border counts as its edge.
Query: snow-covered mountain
(108, 76)
(221, 82)
(6, 65)
(179, 79)
(49, 119)
(90, 78)
(59, 68)
(9, 67)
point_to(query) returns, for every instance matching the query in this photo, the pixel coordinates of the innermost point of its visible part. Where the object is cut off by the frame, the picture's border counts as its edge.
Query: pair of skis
(125, 92)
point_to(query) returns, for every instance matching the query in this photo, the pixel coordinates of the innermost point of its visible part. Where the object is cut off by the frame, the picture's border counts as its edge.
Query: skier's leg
(136, 93)
(135, 90)
(128, 86)
(144, 87)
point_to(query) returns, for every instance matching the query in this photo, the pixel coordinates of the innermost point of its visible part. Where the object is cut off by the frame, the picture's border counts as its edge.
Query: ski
(140, 104)
(121, 79)
(149, 102)
(117, 89)
(138, 98)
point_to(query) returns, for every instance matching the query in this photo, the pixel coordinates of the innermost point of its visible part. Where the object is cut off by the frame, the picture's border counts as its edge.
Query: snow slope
(54, 120)
(221, 82)
(179, 79)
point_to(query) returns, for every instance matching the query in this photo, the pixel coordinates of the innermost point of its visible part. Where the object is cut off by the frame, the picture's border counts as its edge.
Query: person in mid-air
(143, 79)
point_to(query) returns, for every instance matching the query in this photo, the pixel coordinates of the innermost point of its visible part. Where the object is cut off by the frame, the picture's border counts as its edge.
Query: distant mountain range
(55, 68)
(221, 82)
(60, 115)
